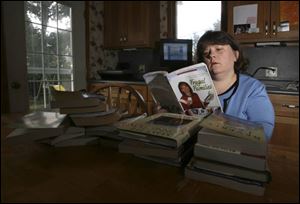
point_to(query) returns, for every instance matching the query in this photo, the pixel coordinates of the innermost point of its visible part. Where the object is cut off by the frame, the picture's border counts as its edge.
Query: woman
(240, 95)
(189, 99)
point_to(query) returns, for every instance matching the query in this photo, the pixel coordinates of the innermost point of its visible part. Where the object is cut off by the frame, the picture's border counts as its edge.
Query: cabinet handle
(290, 106)
(266, 28)
(274, 28)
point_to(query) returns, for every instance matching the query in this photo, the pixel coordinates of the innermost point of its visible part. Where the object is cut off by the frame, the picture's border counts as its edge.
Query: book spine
(225, 182)
(246, 146)
(229, 156)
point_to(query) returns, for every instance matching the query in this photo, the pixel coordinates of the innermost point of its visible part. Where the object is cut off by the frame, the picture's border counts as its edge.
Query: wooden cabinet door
(142, 23)
(136, 24)
(285, 20)
(286, 128)
(131, 24)
(236, 10)
(270, 19)
(114, 23)
(286, 132)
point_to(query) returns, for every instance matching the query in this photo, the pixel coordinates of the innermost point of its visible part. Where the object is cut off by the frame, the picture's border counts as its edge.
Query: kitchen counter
(282, 87)
(278, 91)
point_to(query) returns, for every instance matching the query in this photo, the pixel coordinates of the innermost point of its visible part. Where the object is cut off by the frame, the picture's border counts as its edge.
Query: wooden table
(99, 173)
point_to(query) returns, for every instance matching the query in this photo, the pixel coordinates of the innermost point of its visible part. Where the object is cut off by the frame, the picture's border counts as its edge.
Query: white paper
(245, 14)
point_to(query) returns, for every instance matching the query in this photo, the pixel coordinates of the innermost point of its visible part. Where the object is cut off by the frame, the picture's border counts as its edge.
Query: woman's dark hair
(221, 38)
(184, 83)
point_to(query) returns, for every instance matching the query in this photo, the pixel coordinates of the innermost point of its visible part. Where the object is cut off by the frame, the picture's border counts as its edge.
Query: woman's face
(185, 89)
(220, 58)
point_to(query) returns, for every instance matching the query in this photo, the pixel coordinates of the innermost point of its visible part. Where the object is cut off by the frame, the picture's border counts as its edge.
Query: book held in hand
(187, 90)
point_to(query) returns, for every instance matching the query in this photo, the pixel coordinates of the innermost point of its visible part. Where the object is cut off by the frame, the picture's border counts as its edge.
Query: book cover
(230, 156)
(80, 141)
(72, 99)
(187, 90)
(232, 170)
(234, 126)
(167, 129)
(227, 181)
(148, 149)
(25, 136)
(105, 131)
(101, 107)
(40, 120)
(37, 126)
(180, 161)
(96, 118)
(70, 133)
(211, 137)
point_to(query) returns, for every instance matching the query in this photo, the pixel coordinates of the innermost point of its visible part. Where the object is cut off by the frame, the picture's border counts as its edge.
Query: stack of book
(167, 138)
(70, 102)
(230, 152)
(109, 134)
(38, 126)
(73, 136)
(85, 109)
(50, 128)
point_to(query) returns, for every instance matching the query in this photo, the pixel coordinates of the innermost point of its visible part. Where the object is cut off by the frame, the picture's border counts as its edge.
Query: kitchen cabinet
(131, 24)
(262, 21)
(286, 131)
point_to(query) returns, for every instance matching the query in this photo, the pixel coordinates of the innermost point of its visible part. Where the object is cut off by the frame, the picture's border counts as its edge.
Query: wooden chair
(122, 97)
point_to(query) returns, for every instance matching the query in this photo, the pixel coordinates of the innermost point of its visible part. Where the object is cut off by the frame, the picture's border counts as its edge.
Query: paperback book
(187, 90)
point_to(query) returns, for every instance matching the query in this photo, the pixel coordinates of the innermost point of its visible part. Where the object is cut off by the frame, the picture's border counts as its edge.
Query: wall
(101, 59)
(285, 58)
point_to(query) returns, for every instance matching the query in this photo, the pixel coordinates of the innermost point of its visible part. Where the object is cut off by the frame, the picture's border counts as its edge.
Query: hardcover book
(101, 107)
(230, 125)
(181, 160)
(37, 126)
(230, 156)
(74, 99)
(148, 149)
(232, 170)
(225, 180)
(69, 134)
(211, 137)
(187, 90)
(96, 118)
(166, 129)
(40, 120)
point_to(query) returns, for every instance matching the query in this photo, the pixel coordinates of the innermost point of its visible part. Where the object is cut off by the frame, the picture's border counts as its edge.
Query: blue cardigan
(249, 100)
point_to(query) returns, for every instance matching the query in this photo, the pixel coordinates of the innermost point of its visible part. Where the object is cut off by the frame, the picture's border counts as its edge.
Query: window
(195, 17)
(49, 49)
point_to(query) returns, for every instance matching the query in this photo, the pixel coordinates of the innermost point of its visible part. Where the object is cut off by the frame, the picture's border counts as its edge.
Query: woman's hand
(158, 109)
